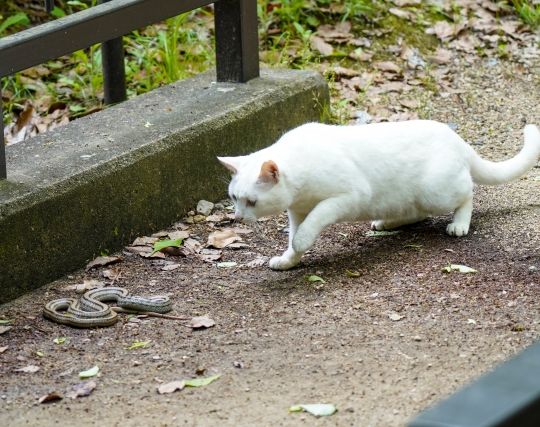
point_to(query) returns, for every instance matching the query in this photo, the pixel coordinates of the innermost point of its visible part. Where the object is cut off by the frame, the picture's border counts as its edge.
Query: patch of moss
(412, 35)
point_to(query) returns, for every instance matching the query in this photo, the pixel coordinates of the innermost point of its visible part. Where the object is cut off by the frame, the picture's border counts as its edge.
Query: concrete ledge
(100, 181)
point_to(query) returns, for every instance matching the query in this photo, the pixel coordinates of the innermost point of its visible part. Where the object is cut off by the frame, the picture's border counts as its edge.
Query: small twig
(116, 278)
(150, 314)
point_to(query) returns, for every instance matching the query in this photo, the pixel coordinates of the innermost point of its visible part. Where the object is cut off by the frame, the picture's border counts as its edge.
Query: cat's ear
(269, 172)
(231, 163)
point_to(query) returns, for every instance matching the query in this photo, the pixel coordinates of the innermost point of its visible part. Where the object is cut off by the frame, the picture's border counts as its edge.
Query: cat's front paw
(457, 229)
(378, 225)
(282, 263)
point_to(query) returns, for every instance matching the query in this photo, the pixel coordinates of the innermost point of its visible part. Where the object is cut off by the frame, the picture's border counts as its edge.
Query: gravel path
(380, 346)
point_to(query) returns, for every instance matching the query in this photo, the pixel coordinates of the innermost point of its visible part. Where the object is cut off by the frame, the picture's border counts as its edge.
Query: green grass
(528, 12)
(183, 46)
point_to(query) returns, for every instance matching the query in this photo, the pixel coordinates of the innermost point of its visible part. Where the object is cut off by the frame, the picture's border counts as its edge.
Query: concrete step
(100, 181)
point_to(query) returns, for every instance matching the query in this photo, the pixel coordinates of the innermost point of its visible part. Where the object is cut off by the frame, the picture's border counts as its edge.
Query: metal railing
(237, 54)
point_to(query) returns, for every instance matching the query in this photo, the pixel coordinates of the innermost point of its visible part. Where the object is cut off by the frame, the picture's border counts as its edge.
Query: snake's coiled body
(91, 311)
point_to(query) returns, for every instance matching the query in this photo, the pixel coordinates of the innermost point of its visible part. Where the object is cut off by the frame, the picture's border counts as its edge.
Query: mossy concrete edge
(53, 222)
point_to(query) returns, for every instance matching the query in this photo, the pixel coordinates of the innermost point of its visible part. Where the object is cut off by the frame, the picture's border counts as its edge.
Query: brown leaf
(446, 31)
(209, 255)
(216, 218)
(403, 3)
(170, 267)
(51, 397)
(192, 245)
(30, 369)
(510, 27)
(238, 245)
(221, 239)
(2, 349)
(409, 103)
(466, 43)
(82, 389)
(321, 46)
(102, 261)
(4, 329)
(111, 274)
(344, 72)
(242, 230)
(360, 55)
(257, 262)
(179, 234)
(144, 241)
(174, 251)
(387, 66)
(25, 117)
(85, 286)
(392, 87)
(400, 13)
(442, 56)
(201, 322)
(171, 387)
(339, 33)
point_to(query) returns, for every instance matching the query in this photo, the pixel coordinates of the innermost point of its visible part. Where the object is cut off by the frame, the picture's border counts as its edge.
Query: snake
(91, 311)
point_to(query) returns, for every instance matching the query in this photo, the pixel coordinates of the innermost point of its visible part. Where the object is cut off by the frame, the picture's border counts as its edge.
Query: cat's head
(257, 188)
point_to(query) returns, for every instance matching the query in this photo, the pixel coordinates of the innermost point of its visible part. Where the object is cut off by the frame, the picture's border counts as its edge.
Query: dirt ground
(281, 340)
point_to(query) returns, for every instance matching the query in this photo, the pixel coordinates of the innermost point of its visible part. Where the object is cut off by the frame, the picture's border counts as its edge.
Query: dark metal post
(49, 5)
(237, 45)
(3, 172)
(114, 74)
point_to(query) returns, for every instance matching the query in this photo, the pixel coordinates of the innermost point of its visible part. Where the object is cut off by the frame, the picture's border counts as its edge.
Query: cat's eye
(251, 203)
(233, 197)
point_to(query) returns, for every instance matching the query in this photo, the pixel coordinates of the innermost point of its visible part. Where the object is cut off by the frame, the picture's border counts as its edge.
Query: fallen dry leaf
(201, 322)
(216, 218)
(442, 56)
(241, 230)
(4, 329)
(179, 234)
(409, 103)
(51, 397)
(2, 349)
(145, 252)
(318, 44)
(193, 246)
(387, 66)
(170, 267)
(344, 72)
(102, 261)
(171, 387)
(257, 262)
(361, 55)
(403, 3)
(209, 255)
(144, 241)
(238, 245)
(86, 286)
(221, 239)
(400, 13)
(82, 389)
(30, 369)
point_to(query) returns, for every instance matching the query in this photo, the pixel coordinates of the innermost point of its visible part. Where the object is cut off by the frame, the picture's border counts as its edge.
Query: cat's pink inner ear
(228, 162)
(269, 172)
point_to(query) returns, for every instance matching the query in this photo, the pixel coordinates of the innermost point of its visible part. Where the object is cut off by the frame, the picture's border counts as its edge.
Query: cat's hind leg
(462, 219)
(389, 224)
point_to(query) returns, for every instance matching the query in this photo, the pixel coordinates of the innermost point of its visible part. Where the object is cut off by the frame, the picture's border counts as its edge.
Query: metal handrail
(237, 56)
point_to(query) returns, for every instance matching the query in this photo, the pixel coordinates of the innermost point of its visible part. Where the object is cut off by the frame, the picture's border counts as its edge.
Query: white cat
(392, 173)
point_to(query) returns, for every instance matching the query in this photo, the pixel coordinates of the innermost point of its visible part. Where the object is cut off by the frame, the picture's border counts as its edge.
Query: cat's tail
(493, 173)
